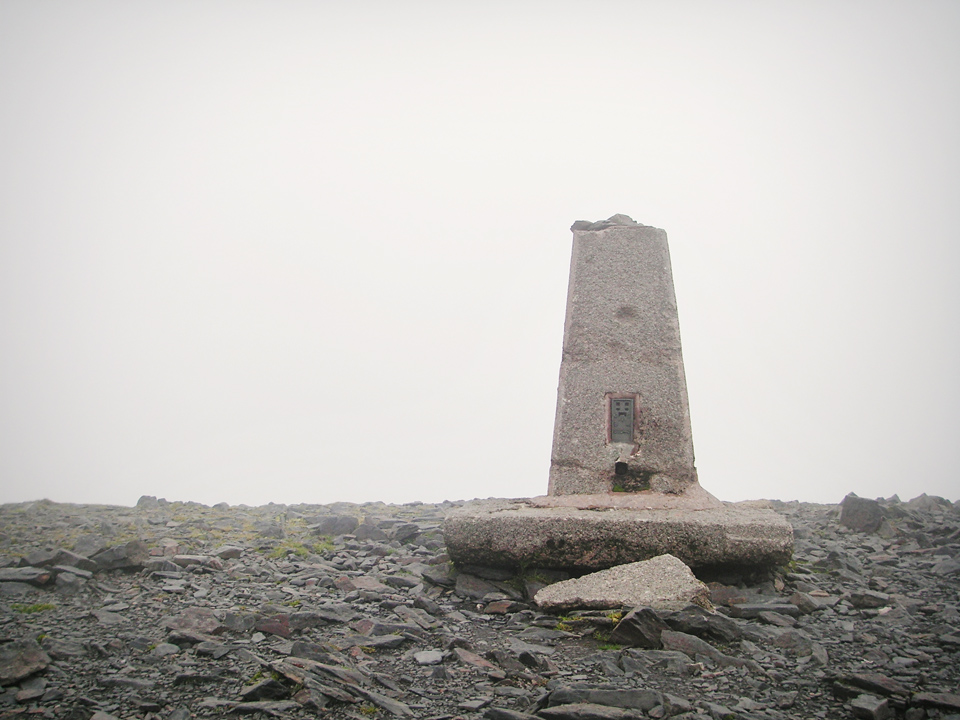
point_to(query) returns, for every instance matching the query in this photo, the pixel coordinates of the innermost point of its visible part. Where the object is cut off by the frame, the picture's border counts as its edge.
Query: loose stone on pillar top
(623, 419)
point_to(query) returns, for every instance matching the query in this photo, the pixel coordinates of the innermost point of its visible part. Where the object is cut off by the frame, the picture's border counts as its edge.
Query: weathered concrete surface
(694, 498)
(524, 533)
(621, 340)
(661, 583)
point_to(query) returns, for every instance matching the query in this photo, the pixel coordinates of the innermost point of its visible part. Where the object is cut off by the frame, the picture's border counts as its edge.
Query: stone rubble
(175, 610)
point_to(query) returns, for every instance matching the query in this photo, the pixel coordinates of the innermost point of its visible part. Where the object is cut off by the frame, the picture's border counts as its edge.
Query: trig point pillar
(622, 485)
(623, 421)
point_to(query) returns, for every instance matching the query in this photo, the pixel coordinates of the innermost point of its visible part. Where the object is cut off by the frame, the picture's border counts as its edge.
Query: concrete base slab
(593, 532)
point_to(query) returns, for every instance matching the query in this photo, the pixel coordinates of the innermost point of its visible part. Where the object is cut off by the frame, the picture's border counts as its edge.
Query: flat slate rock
(20, 659)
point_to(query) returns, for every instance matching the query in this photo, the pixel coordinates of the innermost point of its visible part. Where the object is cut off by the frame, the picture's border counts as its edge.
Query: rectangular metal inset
(621, 420)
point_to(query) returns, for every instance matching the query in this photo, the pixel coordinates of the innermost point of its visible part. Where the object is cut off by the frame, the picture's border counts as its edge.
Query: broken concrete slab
(661, 583)
(617, 531)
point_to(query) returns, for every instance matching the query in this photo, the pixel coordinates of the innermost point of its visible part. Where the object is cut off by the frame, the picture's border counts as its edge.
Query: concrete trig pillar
(623, 486)
(623, 419)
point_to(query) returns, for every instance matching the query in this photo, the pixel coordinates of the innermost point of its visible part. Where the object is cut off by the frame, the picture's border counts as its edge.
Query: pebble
(173, 609)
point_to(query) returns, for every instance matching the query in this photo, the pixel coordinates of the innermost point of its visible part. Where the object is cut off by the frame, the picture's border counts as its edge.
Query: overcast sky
(318, 251)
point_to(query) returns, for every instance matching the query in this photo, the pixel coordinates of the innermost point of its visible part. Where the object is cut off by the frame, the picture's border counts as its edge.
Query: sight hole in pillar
(628, 479)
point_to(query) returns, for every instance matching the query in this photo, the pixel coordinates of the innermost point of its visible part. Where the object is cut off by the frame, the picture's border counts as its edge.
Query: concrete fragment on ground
(661, 582)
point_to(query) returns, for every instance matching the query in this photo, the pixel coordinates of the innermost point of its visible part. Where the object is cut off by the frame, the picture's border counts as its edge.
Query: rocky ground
(173, 610)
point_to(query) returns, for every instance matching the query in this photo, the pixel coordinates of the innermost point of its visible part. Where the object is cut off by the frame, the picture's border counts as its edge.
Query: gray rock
(444, 575)
(125, 683)
(876, 683)
(108, 619)
(611, 696)
(264, 690)
(326, 654)
(165, 650)
(868, 599)
(370, 641)
(871, 707)
(406, 532)
(946, 566)
(394, 707)
(89, 545)
(415, 615)
(334, 525)
(710, 626)
(31, 575)
(14, 589)
(860, 514)
(69, 584)
(227, 552)
(129, 556)
(62, 649)
(794, 642)
(370, 531)
(692, 646)
(494, 713)
(197, 620)
(671, 662)
(73, 570)
(924, 502)
(271, 707)
(489, 573)
(753, 610)
(641, 627)
(942, 700)
(20, 659)
(719, 712)
(776, 619)
(239, 622)
(39, 558)
(428, 657)
(589, 711)
(473, 587)
(335, 612)
(805, 603)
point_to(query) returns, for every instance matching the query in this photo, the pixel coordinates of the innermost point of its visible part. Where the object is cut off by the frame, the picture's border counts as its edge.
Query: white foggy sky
(317, 251)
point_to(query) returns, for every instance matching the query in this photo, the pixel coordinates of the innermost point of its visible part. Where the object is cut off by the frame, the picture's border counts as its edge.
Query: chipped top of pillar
(618, 219)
